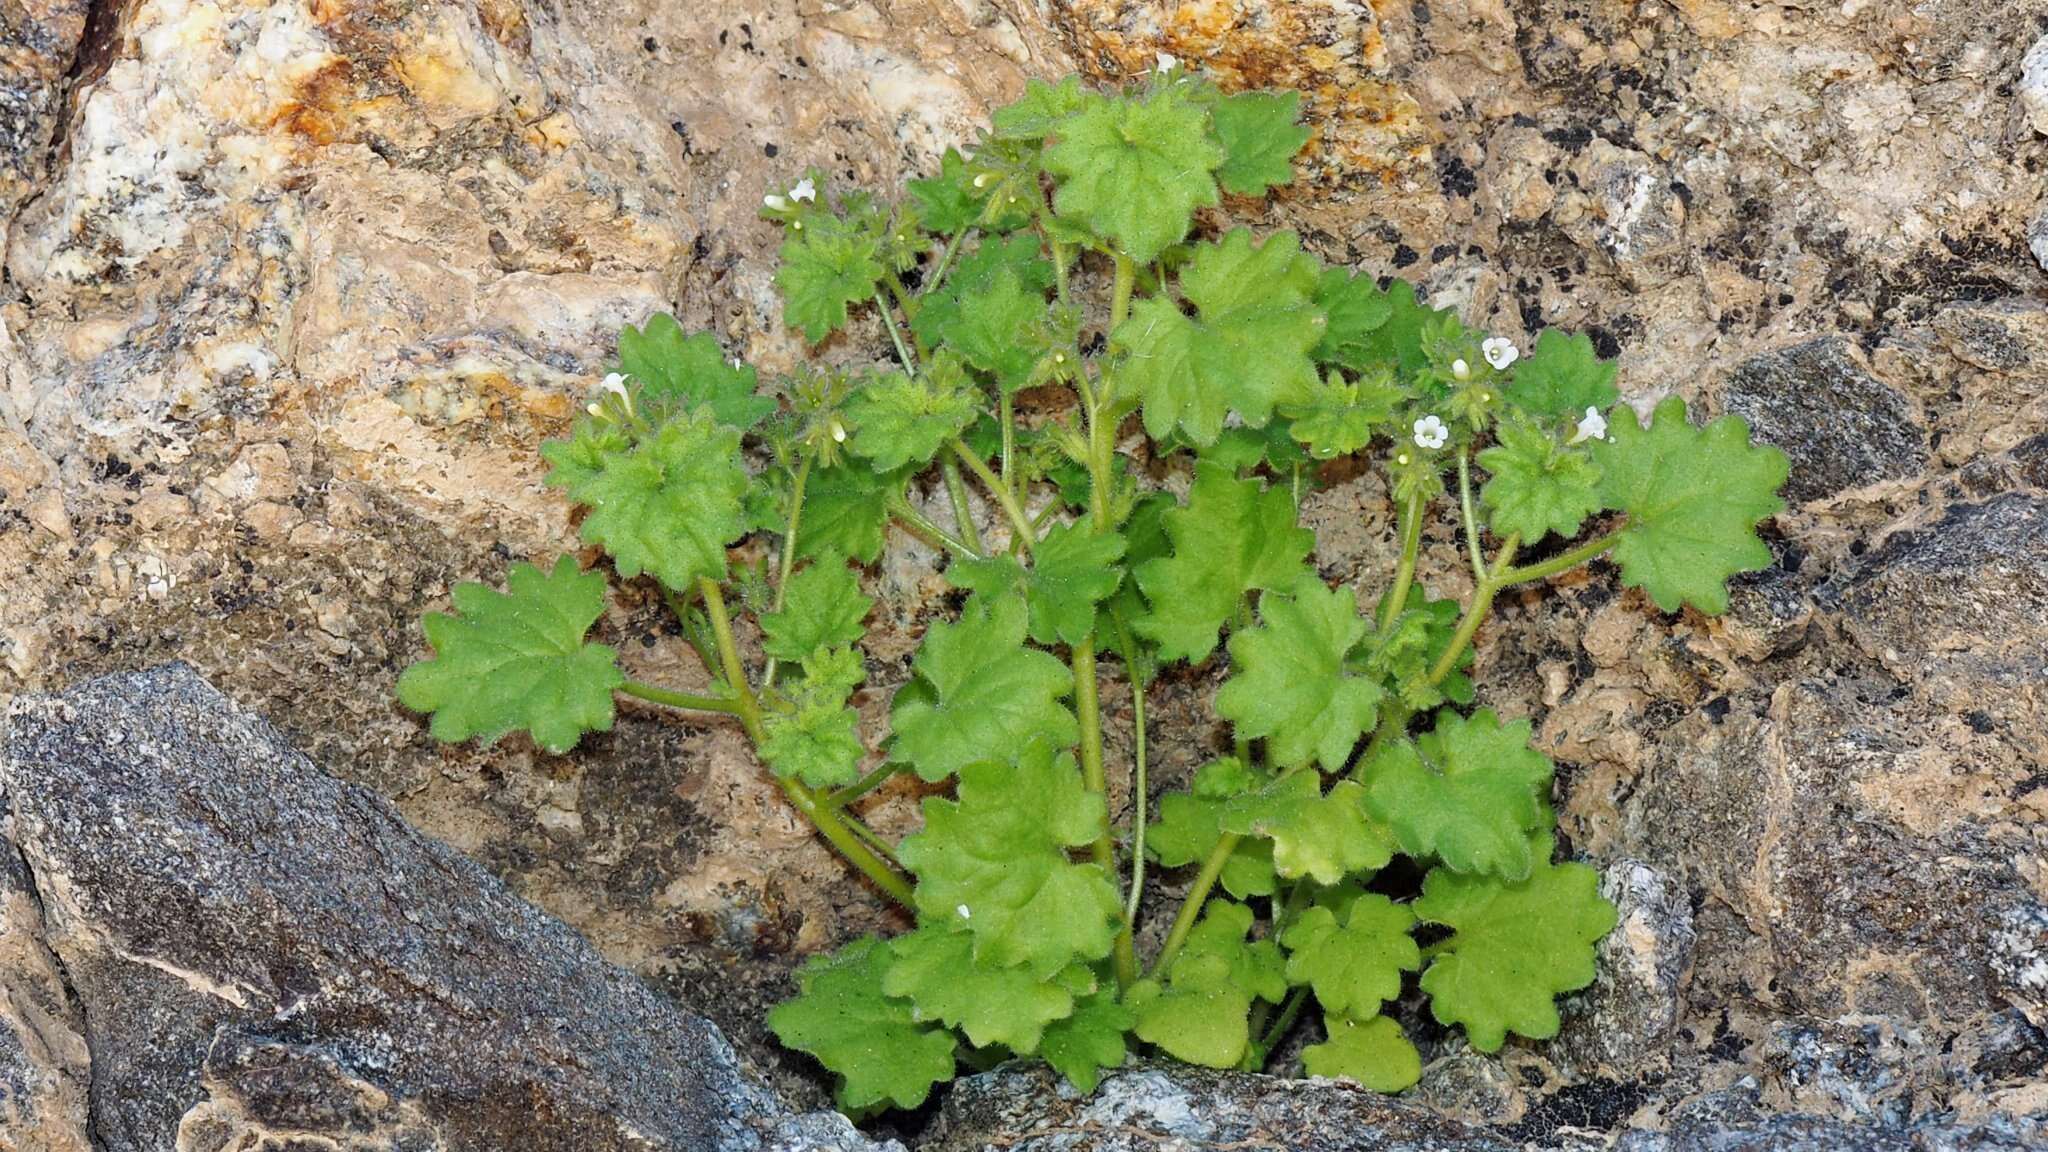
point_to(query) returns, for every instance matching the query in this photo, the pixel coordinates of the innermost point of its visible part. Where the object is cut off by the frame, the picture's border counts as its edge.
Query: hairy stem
(963, 509)
(1562, 562)
(1191, 907)
(1008, 416)
(903, 355)
(945, 264)
(1289, 1013)
(672, 699)
(1475, 612)
(1020, 524)
(922, 527)
(1404, 572)
(1465, 512)
(1088, 710)
(1140, 792)
(788, 558)
(1120, 292)
(862, 786)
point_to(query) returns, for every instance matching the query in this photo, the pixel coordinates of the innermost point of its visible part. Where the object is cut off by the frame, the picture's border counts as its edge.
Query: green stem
(922, 527)
(836, 831)
(1008, 415)
(1088, 710)
(873, 838)
(1475, 612)
(1562, 562)
(672, 699)
(944, 265)
(1120, 293)
(788, 558)
(1004, 497)
(1062, 256)
(963, 509)
(1404, 572)
(1191, 907)
(828, 822)
(1289, 1013)
(1465, 511)
(862, 786)
(904, 299)
(1140, 794)
(895, 334)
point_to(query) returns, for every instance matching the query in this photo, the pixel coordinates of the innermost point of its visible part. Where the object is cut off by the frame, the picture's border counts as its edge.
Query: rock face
(1183, 1110)
(294, 289)
(259, 952)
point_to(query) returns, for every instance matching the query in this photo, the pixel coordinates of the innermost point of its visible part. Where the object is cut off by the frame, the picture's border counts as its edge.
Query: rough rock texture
(264, 956)
(293, 289)
(1186, 1110)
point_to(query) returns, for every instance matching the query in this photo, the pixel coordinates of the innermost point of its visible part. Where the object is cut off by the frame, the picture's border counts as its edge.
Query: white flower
(1592, 427)
(1430, 431)
(964, 911)
(616, 385)
(1167, 62)
(1460, 369)
(774, 202)
(838, 431)
(1499, 352)
(806, 189)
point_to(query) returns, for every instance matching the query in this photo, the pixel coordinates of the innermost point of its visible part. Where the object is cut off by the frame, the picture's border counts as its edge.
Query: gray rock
(38, 40)
(1843, 427)
(1191, 1110)
(256, 947)
(1624, 1025)
(43, 1064)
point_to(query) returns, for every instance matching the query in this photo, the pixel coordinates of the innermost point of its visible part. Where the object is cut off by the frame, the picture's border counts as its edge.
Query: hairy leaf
(1339, 416)
(1694, 497)
(937, 970)
(1538, 486)
(667, 503)
(846, 511)
(902, 420)
(1190, 824)
(826, 266)
(1514, 947)
(1354, 963)
(1261, 135)
(822, 607)
(1072, 570)
(988, 694)
(1374, 1052)
(1134, 170)
(879, 1050)
(1468, 792)
(1080, 1046)
(517, 661)
(691, 372)
(1288, 685)
(1563, 376)
(1233, 537)
(1323, 837)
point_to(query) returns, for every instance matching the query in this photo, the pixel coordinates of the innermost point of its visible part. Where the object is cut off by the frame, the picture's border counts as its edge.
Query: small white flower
(806, 190)
(1592, 427)
(964, 911)
(1430, 431)
(616, 385)
(1460, 369)
(838, 431)
(980, 181)
(1167, 62)
(1499, 352)
(774, 202)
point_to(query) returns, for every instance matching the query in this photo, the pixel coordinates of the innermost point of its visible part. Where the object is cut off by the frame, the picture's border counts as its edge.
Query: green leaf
(1538, 486)
(1405, 653)
(1468, 792)
(1261, 136)
(880, 1052)
(1246, 349)
(936, 970)
(1080, 1046)
(1563, 376)
(825, 267)
(1374, 1052)
(1288, 685)
(818, 744)
(996, 862)
(1400, 339)
(667, 503)
(832, 674)
(1356, 307)
(994, 257)
(845, 513)
(1234, 536)
(998, 326)
(1354, 964)
(1323, 837)
(1134, 169)
(1202, 1013)
(1190, 824)
(988, 695)
(1042, 107)
(902, 420)
(518, 661)
(1339, 416)
(1072, 570)
(948, 202)
(691, 372)
(1694, 497)
(822, 607)
(1514, 946)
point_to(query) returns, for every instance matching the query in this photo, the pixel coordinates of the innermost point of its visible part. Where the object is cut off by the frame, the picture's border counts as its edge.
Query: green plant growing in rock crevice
(1239, 364)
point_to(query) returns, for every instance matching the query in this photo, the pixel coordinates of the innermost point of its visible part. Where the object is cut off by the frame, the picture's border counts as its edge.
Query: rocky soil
(292, 290)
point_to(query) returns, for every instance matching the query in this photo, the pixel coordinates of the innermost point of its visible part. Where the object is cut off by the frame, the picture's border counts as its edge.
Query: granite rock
(259, 952)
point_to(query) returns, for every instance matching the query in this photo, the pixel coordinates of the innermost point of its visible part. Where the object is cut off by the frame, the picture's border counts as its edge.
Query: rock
(1624, 1026)
(1192, 1110)
(257, 948)
(2033, 88)
(1843, 427)
(44, 1069)
(38, 41)
(2037, 237)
